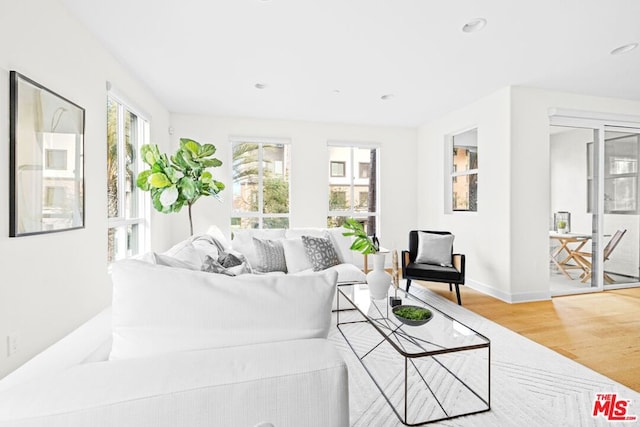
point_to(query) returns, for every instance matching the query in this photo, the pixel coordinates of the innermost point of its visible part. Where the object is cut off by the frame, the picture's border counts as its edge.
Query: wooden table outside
(562, 260)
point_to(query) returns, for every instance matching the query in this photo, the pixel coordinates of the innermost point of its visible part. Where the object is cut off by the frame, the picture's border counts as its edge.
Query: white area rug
(531, 385)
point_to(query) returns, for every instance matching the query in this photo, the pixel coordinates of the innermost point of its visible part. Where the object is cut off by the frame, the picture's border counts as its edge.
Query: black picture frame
(46, 156)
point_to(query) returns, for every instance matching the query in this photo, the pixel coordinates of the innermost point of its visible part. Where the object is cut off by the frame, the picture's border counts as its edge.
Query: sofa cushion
(295, 255)
(158, 309)
(347, 273)
(320, 252)
(296, 383)
(434, 248)
(169, 261)
(437, 272)
(270, 255)
(186, 252)
(342, 244)
(243, 242)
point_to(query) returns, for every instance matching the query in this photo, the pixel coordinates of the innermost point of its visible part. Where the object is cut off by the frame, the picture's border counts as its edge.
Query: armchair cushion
(432, 272)
(434, 249)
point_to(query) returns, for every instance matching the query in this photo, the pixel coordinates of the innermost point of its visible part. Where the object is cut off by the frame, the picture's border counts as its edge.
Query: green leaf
(190, 145)
(149, 153)
(211, 163)
(159, 180)
(171, 174)
(207, 150)
(169, 196)
(206, 177)
(188, 188)
(142, 180)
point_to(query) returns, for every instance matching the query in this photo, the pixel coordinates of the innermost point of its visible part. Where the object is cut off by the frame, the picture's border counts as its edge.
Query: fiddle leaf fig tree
(182, 179)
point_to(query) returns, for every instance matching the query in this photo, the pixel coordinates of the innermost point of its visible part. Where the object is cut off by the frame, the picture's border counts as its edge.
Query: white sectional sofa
(348, 269)
(190, 348)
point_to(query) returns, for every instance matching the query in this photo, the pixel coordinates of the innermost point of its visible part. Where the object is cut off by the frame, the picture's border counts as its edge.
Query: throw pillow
(158, 310)
(185, 251)
(211, 265)
(169, 261)
(320, 252)
(270, 255)
(229, 260)
(434, 248)
(295, 255)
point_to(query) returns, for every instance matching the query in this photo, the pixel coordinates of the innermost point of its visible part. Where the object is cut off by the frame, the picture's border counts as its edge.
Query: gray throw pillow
(270, 255)
(229, 260)
(320, 252)
(211, 265)
(434, 249)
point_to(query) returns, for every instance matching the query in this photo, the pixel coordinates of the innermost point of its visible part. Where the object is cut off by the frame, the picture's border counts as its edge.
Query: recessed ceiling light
(260, 85)
(387, 97)
(474, 25)
(624, 49)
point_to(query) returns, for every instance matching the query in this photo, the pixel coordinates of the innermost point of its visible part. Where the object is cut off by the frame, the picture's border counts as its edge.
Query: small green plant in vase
(377, 279)
(562, 226)
(362, 242)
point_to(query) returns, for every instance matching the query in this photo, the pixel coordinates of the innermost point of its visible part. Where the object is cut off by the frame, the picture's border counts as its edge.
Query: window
(127, 208)
(337, 169)
(363, 170)
(463, 172)
(260, 183)
(55, 159)
(621, 153)
(354, 195)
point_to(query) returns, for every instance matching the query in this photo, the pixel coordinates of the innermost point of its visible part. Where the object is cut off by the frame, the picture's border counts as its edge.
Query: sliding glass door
(595, 205)
(621, 216)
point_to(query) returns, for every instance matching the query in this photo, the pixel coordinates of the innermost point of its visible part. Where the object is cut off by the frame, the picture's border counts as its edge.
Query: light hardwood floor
(599, 330)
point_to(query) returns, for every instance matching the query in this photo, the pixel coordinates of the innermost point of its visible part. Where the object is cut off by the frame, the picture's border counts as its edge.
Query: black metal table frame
(396, 329)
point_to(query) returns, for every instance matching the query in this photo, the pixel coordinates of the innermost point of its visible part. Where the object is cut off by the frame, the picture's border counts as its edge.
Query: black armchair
(412, 270)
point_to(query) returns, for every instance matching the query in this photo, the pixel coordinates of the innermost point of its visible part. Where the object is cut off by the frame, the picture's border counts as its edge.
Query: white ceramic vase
(378, 279)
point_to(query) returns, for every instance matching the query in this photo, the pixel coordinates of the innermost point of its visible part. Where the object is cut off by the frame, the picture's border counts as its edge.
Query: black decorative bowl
(415, 316)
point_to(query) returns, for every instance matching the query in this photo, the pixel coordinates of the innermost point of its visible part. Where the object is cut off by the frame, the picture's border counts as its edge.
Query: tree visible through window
(126, 211)
(355, 194)
(260, 185)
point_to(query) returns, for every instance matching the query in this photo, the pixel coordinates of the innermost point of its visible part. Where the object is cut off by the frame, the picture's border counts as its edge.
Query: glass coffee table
(436, 371)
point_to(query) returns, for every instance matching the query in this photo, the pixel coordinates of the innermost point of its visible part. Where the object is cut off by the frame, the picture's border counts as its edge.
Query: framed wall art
(46, 160)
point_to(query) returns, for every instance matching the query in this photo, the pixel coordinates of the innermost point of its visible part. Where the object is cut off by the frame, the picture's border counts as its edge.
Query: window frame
(122, 222)
(452, 174)
(260, 215)
(352, 182)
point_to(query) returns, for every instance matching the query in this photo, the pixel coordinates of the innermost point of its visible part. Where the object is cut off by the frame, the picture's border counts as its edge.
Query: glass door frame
(600, 123)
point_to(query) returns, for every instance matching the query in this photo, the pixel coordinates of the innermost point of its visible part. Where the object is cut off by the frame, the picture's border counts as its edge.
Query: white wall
(52, 283)
(530, 201)
(483, 236)
(506, 241)
(309, 171)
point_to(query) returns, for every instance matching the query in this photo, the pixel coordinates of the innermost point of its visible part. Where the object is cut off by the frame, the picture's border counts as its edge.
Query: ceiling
(332, 60)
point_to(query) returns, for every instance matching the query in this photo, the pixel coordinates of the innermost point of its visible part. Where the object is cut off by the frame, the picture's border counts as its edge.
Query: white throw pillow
(295, 255)
(434, 248)
(185, 251)
(158, 309)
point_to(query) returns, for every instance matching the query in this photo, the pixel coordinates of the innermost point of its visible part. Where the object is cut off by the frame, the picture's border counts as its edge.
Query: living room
(55, 282)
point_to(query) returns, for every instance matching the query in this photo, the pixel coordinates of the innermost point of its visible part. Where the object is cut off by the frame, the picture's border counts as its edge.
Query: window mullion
(261, 185)
(121, 162)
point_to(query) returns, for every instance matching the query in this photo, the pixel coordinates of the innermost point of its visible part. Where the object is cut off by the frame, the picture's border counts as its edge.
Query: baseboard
(508, 297)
